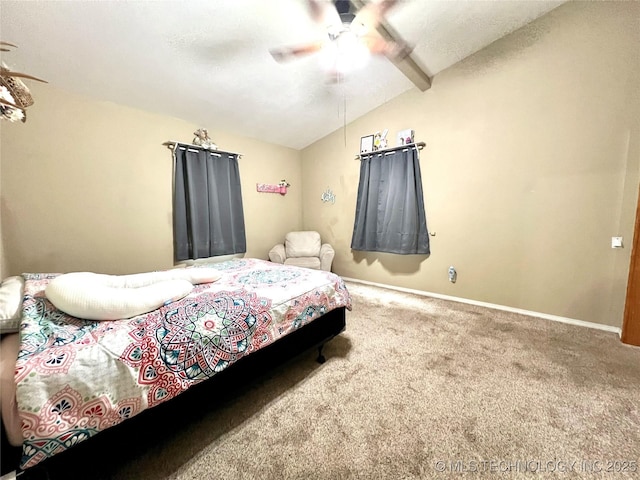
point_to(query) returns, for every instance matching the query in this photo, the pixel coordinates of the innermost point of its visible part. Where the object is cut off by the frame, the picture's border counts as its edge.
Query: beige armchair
(303, 249)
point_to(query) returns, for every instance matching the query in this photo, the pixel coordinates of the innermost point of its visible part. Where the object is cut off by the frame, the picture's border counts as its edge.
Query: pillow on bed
(197, 275)
(11, 293)
(94, 296)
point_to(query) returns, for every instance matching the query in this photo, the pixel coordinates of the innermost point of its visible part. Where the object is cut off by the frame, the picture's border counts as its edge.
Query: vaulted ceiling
(208, 61)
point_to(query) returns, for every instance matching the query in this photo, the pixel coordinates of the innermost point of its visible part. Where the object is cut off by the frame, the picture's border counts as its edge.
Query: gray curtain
(208, 215)
(390, 213)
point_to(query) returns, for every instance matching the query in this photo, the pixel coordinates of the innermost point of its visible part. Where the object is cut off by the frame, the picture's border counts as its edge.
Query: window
(390, 214)
(208, 214)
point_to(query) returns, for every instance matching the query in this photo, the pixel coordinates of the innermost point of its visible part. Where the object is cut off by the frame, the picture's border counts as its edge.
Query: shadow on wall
(403, 264)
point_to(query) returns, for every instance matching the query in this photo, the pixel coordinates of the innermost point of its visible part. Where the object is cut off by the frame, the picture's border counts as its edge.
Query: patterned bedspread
(77, 377)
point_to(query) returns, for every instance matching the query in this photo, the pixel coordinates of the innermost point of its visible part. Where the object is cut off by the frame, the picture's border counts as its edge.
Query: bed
(75, 378)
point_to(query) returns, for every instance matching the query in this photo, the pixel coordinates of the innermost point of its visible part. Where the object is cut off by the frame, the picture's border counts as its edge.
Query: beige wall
(3, 263)
(87, 185)
(532, 164)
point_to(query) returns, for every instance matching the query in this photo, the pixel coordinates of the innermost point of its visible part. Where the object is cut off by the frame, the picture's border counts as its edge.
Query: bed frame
(82, 457)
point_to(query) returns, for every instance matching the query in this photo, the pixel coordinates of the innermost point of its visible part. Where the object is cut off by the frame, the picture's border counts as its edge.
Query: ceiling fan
(354, 30)
(14, 94)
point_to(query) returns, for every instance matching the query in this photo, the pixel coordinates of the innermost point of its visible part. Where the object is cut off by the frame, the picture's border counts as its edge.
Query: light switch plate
(616, 242)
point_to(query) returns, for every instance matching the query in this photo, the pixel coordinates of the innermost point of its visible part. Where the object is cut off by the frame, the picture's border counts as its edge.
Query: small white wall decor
(328, 196)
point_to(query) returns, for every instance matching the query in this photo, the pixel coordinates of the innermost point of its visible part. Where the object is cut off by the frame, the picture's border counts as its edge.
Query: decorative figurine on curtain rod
(202, 139)
(380, 140)
(405, 137)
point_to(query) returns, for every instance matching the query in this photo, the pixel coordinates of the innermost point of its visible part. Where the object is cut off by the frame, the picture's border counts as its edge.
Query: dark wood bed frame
(77, 461)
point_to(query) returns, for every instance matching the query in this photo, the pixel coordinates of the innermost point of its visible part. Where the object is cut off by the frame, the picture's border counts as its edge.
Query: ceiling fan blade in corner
(370, 15)
(391, 49)
(5, 72)
(8, 103)
(403, 60)
(324, 13)
(283, 54)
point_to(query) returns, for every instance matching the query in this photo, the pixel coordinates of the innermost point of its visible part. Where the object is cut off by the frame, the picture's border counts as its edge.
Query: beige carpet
(412, 382)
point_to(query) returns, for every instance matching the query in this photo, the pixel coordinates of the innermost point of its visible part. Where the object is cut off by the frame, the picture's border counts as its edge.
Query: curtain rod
(172, 143)
(418, 145)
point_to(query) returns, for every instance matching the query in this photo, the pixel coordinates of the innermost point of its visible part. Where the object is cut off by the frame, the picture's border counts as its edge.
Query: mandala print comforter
(77, 377)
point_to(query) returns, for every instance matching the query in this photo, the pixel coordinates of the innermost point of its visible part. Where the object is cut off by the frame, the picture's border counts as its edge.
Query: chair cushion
(307, 262)
(302, 244)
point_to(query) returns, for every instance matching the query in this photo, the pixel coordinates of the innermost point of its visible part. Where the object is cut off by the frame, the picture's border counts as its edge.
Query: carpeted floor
(414, 388)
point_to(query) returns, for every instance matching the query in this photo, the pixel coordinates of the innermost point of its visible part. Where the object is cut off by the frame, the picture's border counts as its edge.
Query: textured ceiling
(207, 61)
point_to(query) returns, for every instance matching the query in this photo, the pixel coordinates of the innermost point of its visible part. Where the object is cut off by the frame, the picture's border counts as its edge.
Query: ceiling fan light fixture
(327, 56)
(358, 28)
(355, 31)
(345, 54)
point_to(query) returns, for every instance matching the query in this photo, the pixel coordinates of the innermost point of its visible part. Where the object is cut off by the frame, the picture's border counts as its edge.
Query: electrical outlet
(453, 275)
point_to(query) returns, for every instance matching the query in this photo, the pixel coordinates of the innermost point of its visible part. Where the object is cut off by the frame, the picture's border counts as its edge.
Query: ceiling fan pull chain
(344, 112)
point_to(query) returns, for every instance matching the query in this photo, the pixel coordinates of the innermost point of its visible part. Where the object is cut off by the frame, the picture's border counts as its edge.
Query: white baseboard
(546, 316)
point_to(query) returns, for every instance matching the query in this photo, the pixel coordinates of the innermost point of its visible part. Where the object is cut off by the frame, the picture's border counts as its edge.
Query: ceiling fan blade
(8, 103)
(324, 13)
(407, 64)
(2, 49)
(5, 72)
(392, 49)
(283, 54)
(370, 15)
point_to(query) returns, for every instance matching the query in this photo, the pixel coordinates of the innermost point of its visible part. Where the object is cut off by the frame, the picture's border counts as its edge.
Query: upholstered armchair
(303, 249)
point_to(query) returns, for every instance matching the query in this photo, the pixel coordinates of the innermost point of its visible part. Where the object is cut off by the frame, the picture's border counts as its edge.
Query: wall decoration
(366, 144)
(404, 137)
(280, 188)
(202, 139)
(380, 140)
(328, 196)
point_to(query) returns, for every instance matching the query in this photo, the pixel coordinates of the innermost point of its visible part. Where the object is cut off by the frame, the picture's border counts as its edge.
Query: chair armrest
(326, 256)
(277, 254)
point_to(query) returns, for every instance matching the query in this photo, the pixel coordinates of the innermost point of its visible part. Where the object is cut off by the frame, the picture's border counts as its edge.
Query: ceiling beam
(408, 64)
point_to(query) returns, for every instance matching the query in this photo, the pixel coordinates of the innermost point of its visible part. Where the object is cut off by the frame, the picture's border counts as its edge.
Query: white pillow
(197, 275)
(94, 296)
(11, 294)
